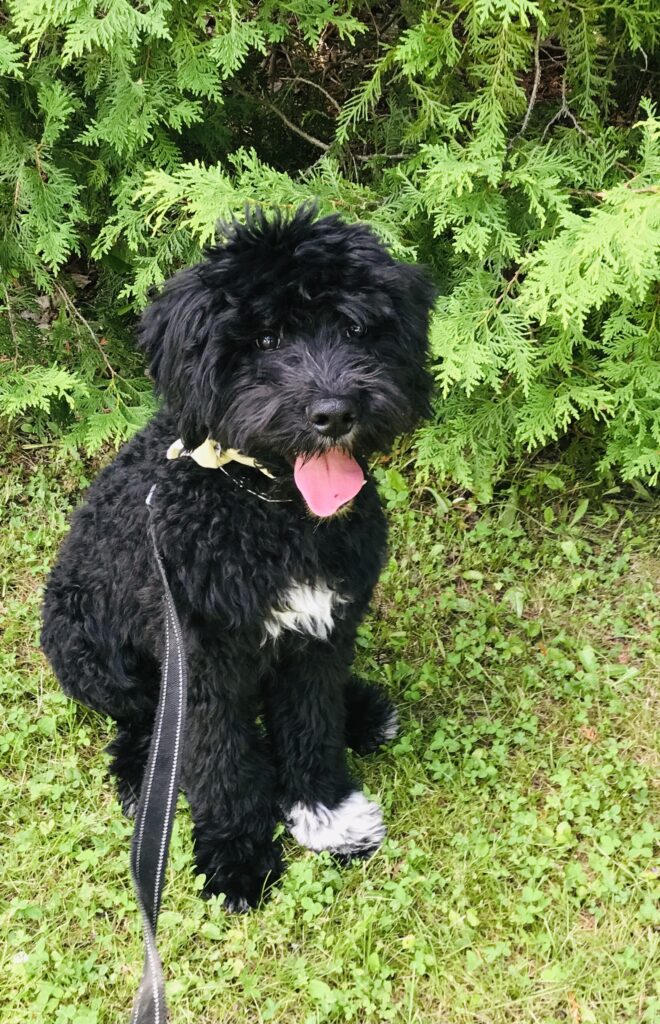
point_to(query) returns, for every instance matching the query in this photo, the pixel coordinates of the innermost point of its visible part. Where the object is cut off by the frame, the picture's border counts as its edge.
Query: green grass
(521, 642)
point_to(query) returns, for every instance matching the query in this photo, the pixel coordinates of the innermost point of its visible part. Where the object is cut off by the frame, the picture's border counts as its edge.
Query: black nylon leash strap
(157, 804)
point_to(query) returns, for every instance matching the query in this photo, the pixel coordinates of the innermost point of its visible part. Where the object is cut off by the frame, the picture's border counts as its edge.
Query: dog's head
(294, 338)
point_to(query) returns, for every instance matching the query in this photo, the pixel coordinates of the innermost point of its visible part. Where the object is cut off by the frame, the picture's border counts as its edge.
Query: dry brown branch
(313, 141)
(75, 312)
(315, 85)
(535, 86)
(12, 325)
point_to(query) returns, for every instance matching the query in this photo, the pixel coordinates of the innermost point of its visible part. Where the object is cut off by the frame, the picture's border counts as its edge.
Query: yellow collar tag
(211, 455)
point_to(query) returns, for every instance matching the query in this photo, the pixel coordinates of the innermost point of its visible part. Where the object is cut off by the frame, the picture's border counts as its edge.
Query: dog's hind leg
(371, 717)
(93, 659)
(130, 751)
(110, 676)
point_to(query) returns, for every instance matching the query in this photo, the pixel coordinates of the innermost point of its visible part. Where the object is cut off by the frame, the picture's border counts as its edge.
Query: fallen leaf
(574, 1009)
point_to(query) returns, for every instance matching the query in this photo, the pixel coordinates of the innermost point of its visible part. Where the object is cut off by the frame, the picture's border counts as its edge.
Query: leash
(255, 494)
(157, 804)
(160, 788)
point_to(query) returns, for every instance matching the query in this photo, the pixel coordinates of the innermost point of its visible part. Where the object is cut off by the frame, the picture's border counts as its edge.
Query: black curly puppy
(295, 350)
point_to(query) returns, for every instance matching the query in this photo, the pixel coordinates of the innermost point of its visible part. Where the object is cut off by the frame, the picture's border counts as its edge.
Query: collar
(211, 455)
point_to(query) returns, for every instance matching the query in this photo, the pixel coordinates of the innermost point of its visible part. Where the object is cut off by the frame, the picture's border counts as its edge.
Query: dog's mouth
(328, 480)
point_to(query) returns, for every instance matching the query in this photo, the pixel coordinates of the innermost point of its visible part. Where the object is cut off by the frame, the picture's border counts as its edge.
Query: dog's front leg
(323, 807)
(230, 784)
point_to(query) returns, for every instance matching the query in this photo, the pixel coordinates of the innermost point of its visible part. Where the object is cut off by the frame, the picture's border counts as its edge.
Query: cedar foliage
(512, 145)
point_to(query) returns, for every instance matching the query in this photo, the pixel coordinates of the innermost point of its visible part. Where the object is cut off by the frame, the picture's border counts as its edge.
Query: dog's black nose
(332, 417)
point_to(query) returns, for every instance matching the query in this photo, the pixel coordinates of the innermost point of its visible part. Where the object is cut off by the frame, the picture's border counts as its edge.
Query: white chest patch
(305, 609)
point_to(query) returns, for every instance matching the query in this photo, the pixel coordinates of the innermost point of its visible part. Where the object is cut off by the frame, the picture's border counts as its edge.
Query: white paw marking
(237, 905)
(304, 609)
(391, 726)
(354, 826)
(129, 807)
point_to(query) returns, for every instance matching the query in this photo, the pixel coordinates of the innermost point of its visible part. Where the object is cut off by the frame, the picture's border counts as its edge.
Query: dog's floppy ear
(174, 333)
(415, 296)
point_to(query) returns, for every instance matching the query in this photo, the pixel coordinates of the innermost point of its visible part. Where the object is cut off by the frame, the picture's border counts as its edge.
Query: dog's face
(293, 338)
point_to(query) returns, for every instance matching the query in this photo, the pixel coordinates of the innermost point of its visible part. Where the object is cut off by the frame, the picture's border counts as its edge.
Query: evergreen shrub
(512, 145)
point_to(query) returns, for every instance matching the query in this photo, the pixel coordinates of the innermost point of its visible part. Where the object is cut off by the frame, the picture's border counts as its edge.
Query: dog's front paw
(243, 883)
(354, 828)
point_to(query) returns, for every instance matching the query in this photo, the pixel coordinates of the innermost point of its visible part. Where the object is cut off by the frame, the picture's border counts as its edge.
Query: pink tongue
(327, 481)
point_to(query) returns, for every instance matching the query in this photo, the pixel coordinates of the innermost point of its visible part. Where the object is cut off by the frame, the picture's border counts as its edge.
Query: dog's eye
(355, 331)
(268, 342)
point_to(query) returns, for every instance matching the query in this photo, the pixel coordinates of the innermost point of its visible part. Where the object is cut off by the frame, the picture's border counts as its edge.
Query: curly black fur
(231, 557)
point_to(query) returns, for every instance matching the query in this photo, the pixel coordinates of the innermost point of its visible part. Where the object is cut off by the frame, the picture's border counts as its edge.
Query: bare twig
(509, 285)
(388, 24)
(12, 325)
(271, 66)
(324, 146)
(364, 157)
(535, 86)
(313, 141)
(654, 189)
(374, 23)
(506, 291)
(565, 111)
(66, 298)
(315, 85)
